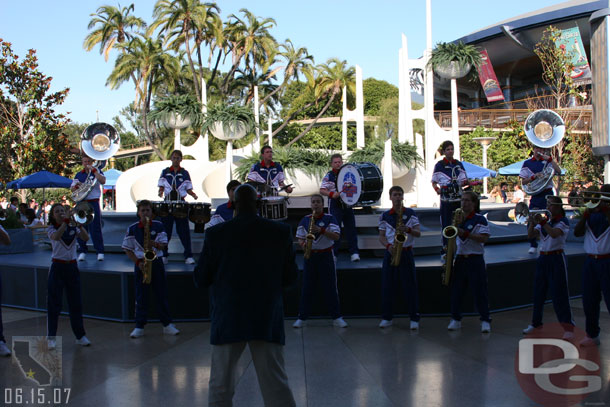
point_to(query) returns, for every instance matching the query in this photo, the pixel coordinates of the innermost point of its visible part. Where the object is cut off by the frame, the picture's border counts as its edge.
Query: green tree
(375, 92)
(32, 134)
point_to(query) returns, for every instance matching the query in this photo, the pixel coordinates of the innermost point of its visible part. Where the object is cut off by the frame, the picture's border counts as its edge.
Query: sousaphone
(100, 141)
(544, 128)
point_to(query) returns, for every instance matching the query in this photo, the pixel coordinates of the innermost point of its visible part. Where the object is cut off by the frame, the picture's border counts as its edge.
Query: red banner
(488, 79)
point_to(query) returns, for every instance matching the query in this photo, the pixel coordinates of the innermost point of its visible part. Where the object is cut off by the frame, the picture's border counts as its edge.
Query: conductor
(246, 262)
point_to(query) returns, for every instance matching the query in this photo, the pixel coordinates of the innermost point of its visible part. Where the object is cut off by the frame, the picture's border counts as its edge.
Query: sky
(365, 33)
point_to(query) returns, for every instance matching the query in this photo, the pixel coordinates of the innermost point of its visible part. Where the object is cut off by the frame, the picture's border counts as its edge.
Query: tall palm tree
(151, 65)
(111, 26)
(295, 62)
(250, 41)
(182, 19)
(332, 77)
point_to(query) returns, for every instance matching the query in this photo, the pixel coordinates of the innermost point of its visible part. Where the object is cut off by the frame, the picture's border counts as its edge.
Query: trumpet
(81, 214)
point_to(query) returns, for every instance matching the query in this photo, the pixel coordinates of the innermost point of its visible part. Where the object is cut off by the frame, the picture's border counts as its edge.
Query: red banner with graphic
(488, 79)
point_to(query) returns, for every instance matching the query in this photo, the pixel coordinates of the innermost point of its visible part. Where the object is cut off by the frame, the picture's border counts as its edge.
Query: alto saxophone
(399, 239)
(149, 253)
(450, 233)
(310, 237)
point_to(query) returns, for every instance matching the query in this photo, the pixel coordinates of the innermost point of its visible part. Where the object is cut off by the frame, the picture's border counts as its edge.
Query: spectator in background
(21, 214)
(14, 205)
(32, 220)
(503, 193)
(518, 195)
(495, 194)
(3, 203)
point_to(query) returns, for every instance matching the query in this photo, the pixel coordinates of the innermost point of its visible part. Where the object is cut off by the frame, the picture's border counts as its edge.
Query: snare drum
(161, 208)
(359, 184)
(179, 209)
(274, 208)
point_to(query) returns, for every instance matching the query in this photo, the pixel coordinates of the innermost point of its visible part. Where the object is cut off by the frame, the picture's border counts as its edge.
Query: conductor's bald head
(245, 199)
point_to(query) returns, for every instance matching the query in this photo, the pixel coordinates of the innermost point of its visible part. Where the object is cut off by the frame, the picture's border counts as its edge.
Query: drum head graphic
(349, 184)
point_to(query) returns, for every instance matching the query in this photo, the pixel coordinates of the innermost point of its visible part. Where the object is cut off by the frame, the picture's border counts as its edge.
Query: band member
(551, 266)
(595, 226)
(469, 266)
(448, 173)
(174, 184)
(401, 277)
(225, 211)
(91, 173)
(64, 274)
(343, 214)
(4, 350)
(321, 264)
(268, 172)
(133, 244)
(533, 169)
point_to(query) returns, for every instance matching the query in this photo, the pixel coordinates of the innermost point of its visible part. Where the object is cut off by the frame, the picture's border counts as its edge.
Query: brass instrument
(82, 214)
(450, 233)
(310, 237)
(399, 239)
(544, 128)
(149, 253)
(100, 141)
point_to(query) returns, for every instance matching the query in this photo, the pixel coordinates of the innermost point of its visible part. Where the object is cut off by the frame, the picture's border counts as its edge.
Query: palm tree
(329, 82)
(112, 27)
(184, 20)
(147, 61)
(251, 41)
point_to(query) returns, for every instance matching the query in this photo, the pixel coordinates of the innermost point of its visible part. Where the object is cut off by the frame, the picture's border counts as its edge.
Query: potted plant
(228, 122)
(452, 60)
(177, 111)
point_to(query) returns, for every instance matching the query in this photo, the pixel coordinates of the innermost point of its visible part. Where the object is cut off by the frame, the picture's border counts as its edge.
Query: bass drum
(359, 184)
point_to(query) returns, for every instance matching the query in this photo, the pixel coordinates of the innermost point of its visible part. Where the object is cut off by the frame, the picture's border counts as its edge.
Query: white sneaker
(589, 341)
(137, 333)
(4, 350)
(83, 341)
(414, 325)
(339, 322)
(454, 325)
(533, 250)
(485, 327)
(100, 257)
(529, 329)
(165, 260)
(190, 260)
(170, 330)
(299, 323)
(385, 323)
(51, 344)
(82, 256)
(355, 257)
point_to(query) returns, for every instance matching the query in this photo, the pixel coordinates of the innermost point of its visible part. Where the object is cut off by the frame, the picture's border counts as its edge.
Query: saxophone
(310, 237)
(149, 253)
(399, 239)
(450, 233)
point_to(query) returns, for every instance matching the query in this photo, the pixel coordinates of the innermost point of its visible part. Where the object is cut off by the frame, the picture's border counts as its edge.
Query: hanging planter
(454, 60)
(177, 111)
(228, 122)
(232, 131)
(176, 121)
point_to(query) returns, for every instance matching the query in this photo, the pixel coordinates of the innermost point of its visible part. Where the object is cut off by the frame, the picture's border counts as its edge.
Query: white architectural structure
(356, 115)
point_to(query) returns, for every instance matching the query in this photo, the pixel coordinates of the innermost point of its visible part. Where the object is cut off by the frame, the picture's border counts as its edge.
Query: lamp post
(485, 142)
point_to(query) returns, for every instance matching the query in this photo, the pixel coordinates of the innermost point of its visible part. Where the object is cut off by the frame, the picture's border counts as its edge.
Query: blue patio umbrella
(112, 176)
(474, 171)
(515, 169)
(40, 179)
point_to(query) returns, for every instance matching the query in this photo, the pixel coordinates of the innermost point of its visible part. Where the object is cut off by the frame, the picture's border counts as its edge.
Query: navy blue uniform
(133, 241)
(552, 272)
(444, 173)
(343, 214)
(596, 273)
(64, 273)
(469, 268)
(402, 277)
(320, 266)
(223, 213)
(175, 186)
(271, 175)
(95, 227)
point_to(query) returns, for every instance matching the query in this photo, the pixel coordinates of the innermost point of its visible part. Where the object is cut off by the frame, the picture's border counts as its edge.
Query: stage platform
(108, 286)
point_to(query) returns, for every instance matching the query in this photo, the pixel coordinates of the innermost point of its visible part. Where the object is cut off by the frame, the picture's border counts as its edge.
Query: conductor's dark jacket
(246, 262)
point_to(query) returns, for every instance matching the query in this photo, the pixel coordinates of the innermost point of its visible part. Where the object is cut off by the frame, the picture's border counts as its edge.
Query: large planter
(452, 70)
(22, 241)
(231, 132)
(176, 121)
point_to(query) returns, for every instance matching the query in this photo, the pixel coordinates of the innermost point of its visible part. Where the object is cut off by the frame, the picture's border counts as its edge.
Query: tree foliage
(32, 134)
